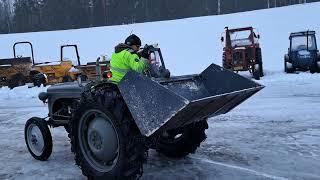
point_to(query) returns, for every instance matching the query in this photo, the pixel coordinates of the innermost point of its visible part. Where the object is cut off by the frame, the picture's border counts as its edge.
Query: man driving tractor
(127, 57)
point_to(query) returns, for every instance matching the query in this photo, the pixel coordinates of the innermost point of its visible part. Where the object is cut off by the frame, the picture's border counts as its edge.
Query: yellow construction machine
(57, 71)
(89, 70)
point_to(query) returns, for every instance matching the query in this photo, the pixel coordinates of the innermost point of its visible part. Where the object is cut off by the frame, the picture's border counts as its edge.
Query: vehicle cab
(303, 53)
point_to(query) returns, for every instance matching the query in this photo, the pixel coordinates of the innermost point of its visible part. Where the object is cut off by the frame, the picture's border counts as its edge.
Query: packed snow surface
(273, 135)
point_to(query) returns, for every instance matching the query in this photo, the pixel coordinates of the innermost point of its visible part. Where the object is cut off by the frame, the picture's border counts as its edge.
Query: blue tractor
(303, 53)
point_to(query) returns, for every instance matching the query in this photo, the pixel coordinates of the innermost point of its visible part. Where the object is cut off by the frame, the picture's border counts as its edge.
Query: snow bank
(188, 45)
(20, 93)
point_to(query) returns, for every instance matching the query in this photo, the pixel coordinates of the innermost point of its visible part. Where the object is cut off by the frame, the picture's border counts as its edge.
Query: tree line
(45, 15)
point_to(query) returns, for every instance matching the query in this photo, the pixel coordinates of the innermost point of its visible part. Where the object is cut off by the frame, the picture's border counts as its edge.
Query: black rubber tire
(224, 62)
(285, 67)
(67, 78)
(16, 80)
(256, 73)
(191, 137)
(314, 69)
(39, 79)
(132, 148)
(292, 70)
(46, 134)
(318, 60)
(259, 61)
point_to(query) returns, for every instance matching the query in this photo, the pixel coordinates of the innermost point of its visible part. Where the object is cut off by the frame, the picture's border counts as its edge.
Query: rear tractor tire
(257, 71)
(259, 61)
(178, 143)
(38, 138)
(105, 140)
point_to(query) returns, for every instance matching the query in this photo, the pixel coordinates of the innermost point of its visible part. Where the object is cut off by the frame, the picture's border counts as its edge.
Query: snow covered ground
(273, 135)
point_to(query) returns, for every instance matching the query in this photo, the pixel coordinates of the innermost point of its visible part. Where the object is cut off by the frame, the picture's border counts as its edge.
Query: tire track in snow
(241, 168)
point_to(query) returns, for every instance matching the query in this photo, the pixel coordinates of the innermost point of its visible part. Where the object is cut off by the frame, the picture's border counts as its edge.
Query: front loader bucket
(158, 105)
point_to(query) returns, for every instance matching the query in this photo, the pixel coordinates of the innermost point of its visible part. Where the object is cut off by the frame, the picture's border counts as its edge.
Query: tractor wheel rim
(35, 139)
(98, 140)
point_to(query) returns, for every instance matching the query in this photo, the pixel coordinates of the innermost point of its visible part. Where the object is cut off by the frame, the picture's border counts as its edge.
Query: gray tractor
(112, 126)
(303, 53)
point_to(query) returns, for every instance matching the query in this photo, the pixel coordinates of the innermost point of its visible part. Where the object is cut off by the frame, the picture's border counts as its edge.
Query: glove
(145, 52)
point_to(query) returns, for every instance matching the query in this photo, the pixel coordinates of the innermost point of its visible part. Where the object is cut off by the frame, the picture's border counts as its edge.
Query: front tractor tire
(38, 138)
(224, 62)
(316, 67)
(105, 140)
(39, 79)
(178, 143)
(288, 67)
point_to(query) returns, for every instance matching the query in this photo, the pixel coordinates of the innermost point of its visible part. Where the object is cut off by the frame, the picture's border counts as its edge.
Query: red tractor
(242, 51)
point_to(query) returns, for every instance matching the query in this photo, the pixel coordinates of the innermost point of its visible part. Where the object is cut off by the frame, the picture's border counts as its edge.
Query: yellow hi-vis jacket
(124, 59)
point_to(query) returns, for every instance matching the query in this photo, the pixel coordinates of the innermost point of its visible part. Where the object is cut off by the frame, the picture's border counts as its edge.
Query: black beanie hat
(133, 40)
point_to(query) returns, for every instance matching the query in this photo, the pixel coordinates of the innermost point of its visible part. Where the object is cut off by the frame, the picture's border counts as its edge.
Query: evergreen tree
(27, 16)
(99, 13)
(5, 16)
(64, 14)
